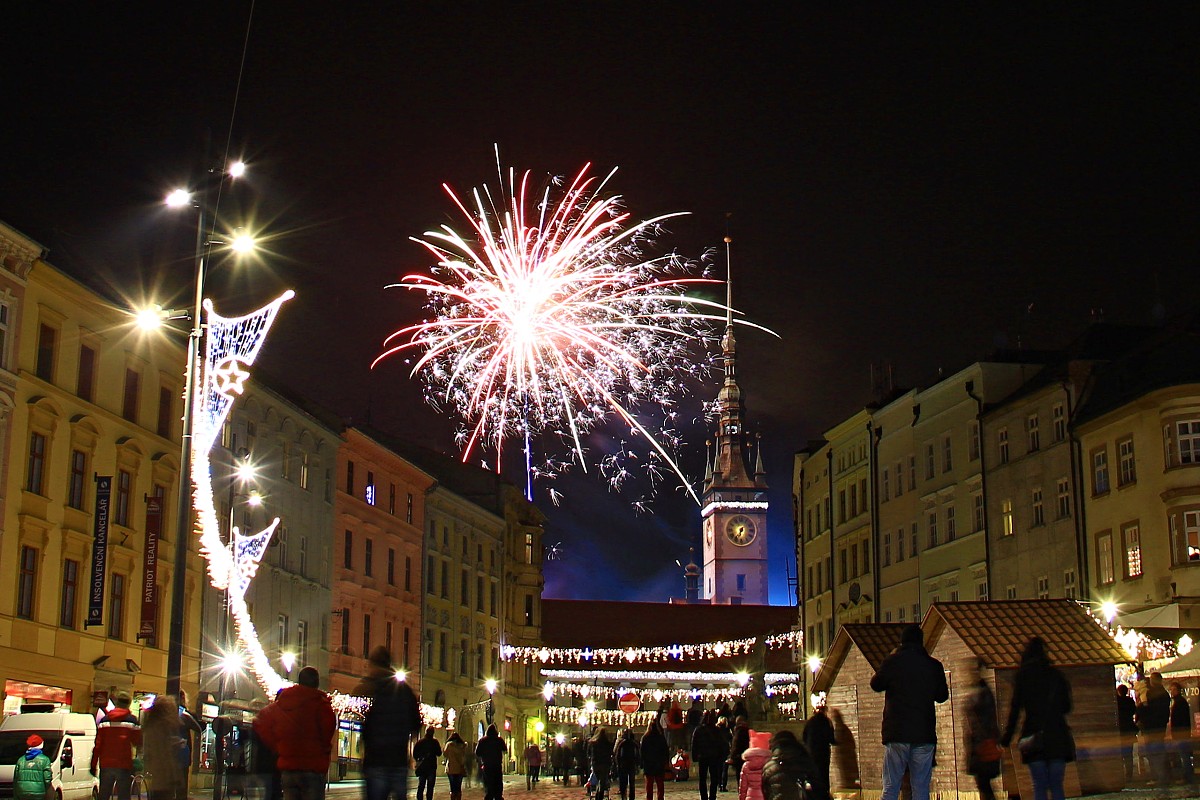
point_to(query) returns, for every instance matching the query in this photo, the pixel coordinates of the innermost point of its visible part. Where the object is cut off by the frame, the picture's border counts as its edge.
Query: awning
(1165, 616)
(1183, 667)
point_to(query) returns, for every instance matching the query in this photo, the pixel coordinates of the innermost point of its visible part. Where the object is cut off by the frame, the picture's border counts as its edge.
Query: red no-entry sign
(629, 702)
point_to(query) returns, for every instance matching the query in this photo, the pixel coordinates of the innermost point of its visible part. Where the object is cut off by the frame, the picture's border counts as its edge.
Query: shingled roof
(997, 631)
(874, 640)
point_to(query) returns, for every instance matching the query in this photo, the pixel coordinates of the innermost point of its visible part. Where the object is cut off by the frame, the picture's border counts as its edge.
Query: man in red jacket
(299, 728)
(117, 734)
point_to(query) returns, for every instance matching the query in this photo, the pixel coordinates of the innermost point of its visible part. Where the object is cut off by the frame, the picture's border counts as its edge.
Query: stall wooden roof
(874, 640)
(997, 631)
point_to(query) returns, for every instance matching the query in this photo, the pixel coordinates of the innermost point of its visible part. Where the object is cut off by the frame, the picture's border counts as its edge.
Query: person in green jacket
(32, 776)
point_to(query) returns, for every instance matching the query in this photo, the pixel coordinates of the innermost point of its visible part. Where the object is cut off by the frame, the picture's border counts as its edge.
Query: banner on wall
(148, 630)
(95, 614)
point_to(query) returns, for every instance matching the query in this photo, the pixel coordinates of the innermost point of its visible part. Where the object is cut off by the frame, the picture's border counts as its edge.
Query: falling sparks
(550, 318)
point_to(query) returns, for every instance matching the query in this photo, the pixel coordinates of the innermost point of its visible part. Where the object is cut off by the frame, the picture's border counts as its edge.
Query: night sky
(909, 189)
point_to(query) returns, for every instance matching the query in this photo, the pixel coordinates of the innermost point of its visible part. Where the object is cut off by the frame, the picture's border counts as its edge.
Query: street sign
(629, 702)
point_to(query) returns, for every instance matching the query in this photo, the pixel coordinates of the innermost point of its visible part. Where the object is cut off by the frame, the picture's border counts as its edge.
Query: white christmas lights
(659, 654)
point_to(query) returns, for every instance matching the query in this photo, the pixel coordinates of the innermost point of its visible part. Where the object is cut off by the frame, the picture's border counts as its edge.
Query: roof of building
(571, 624)
(997, 631)
(1186, 666)
(873, 639)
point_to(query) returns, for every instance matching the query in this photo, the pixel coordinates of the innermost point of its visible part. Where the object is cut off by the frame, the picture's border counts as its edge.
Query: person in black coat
(655, 757)
(789, 769)
(1181, 733)
(708, 754)
(600, 753)
(740, 743)
(1127, 728)
(1153, 716)
(981, 731)
(912, 681)
(1042, 693)
(819, 740)
(727, 747)
(490, 752)
(626, 757)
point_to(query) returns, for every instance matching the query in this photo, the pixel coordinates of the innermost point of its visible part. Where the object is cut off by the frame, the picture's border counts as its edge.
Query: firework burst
(550, 318)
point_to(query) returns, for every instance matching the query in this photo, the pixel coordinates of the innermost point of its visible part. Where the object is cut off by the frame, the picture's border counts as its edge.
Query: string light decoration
(231, 346)
(600, 716)
(349, 705)
(777, 683)
(1137, 645)
(634, 655)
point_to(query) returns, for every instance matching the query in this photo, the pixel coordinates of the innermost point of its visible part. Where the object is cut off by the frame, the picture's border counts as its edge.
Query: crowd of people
(293, 741)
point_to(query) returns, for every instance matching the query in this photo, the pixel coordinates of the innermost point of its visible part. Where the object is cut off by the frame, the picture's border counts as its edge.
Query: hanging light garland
(1137, 644)
(619, 682)
(633, 655)
(583, 718)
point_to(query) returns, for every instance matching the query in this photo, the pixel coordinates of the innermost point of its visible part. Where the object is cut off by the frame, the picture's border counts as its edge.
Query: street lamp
(181, 198)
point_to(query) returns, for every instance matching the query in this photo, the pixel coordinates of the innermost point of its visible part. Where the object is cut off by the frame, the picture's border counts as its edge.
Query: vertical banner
(95, 615)
(148, 629)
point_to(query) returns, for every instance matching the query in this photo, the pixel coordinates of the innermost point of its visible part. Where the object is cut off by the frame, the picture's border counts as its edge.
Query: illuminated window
(1131, 537)
(369, 491)
(304, 471)
(1006, 515)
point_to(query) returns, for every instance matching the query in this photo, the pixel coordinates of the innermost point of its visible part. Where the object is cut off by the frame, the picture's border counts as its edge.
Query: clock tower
(734, 505)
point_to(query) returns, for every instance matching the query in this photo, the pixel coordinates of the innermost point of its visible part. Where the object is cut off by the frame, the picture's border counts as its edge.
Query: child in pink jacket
(754, 759)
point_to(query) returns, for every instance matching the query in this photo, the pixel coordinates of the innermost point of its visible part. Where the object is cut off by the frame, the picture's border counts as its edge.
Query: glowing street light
(288, 660)
(490, 684)
(1109, 609)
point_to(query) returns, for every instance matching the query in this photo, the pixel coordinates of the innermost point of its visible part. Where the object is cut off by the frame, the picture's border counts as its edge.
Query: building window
(1006, 514)
(124, 497)
(70, 594)
(900, 544)
(304, 471)
(1186, 446)
(947, 453)
(899, 481)
(912, 474)
(350, 478)
(951, 527)
(981, 590)
(973, 445)
(1100, 471)
(1039, 513)
(929, 462)
(281, 631)
(406, 641)
(1043, 590)
(1185, 537)
(366, 635)
(841, 505)
(479, 593)
(1059, 414)
(464, 589)
(845, 571)
(348, 551)
(116, 606)
(369, 489)
(887, 550)
(85, 379)
(866, 557)
(1010, 592)
(443, 650)
(1002, 442)
(529, 600)
(408, 509)
(1033, 432)
(165, 413)
(392, 499)
(915, 549)
(1069, 584)
(27, 582)
(885, 486)
(1064, 498)
(302, 641)
(1126, 466)
(368, 557)
(4, 323)
(528, 548)
(429, 575)
(303, 565)
(854, 560)
(492, 599)
(408, 573)
(1131, 540)
(933, 529)
(35, 480)
(129, 402)
(345, 643)
(47, 338)
(391, 567)
(978, 512)
(445, 580)
(1104, 559)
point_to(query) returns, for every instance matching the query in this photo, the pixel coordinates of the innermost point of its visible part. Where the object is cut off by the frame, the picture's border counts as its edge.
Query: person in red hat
(32, 775)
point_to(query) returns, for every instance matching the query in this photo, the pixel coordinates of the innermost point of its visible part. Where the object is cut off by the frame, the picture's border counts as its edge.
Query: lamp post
(178, 199)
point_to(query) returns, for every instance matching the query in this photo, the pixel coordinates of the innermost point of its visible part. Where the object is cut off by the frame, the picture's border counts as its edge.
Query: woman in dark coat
(655, 756)
(1043, 694)
(819, 738)
(788, 770)
(981, 733)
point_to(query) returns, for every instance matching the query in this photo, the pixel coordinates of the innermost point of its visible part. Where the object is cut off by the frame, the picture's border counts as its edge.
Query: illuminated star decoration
(231, 344)
(549, 318)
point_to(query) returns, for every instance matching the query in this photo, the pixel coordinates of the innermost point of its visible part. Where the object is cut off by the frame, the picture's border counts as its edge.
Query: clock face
(740, 530)
(708, 530)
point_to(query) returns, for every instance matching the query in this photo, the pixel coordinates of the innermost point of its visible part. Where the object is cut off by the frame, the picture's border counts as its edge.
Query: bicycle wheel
(138, 789)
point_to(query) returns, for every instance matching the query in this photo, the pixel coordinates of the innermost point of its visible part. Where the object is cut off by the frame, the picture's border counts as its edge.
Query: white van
(69, 739)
